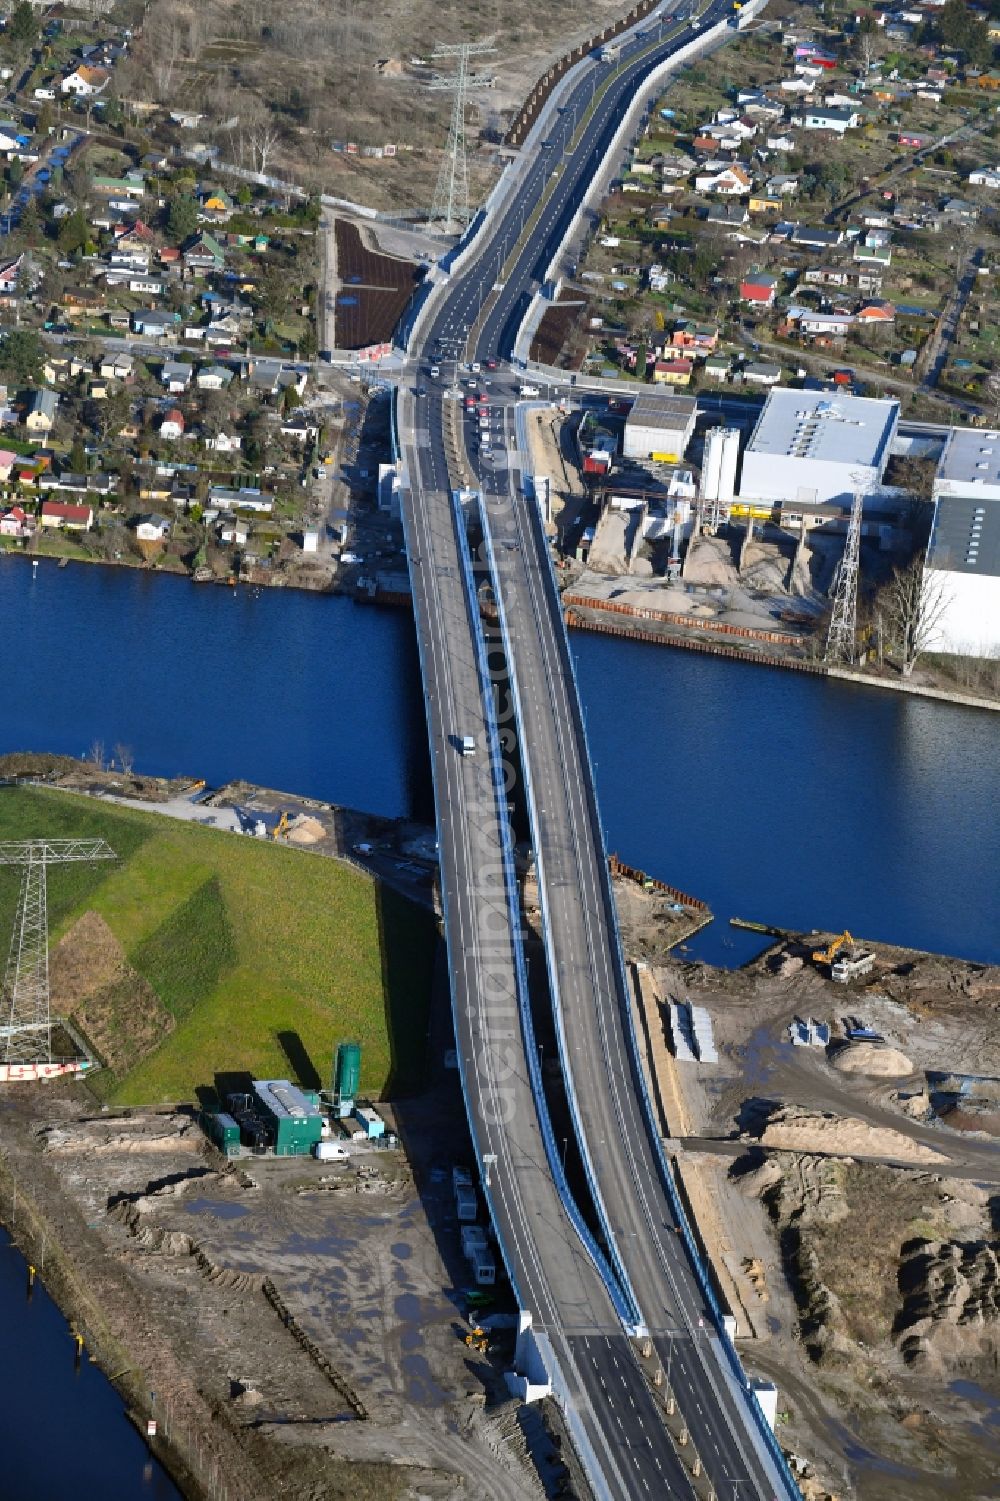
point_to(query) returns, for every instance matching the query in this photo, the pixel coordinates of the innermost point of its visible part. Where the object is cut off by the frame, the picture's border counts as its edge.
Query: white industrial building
(659, 427)
(817, 446)
(963, 556)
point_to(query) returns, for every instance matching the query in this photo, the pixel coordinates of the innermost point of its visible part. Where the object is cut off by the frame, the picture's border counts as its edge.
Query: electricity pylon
(25, 1022)
(451, 196)
(841, 638)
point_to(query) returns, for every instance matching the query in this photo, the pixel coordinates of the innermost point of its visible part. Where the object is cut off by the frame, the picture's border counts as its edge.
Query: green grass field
(265, 955)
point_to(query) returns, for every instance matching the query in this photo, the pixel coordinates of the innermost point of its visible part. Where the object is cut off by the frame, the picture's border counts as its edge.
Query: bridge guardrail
(697, 1265)
(614, 1288)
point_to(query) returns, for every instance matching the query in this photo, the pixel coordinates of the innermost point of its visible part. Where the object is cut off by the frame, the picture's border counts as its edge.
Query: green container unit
(223, 1130)
(347, 1071)
(296, 1124)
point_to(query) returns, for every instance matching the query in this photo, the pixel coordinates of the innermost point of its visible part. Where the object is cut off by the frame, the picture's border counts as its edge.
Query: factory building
(963, 556)
(816, 446)
(659, 427)
(295, 1121)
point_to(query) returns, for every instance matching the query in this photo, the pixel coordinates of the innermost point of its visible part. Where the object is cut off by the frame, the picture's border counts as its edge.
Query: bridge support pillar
(531, 1378)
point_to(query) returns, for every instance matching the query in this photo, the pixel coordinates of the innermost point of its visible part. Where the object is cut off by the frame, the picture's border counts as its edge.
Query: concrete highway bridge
(605, 1270)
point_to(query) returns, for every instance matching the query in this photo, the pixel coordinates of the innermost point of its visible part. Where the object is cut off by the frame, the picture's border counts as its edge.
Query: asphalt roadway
(551, 1272)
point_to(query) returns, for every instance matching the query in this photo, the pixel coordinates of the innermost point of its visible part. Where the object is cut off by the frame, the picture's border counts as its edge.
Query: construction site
(831, 1112)
(832, 1115)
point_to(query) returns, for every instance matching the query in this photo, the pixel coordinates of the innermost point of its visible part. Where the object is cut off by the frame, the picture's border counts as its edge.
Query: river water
(771, 795)
(65, 1432)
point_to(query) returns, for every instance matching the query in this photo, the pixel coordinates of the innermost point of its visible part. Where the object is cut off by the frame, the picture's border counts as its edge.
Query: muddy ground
(302, 1323)
(849, 1197)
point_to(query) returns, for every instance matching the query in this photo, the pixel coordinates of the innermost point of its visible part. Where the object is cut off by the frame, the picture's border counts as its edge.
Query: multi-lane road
(581, 1296)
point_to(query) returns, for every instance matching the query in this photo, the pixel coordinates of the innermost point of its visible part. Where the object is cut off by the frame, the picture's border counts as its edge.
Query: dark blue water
(65, 1432)
(306, 693)
(795, 800)
(771, 795)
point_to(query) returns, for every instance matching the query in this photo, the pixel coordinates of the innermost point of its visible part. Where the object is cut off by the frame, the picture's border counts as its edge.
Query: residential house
(203, 254)
(759, 288)
(41, 413)
(172, 425)
(62, 367)
(63, 515)
(832, 325)
(700, 336)
(985, 177)
(85, 82)
(216, 204)
(782, 184)
(235, 531)
(224, 443)
(989, 81)
(717, 367)
(867, 281)
(762, 373)
(129, 188)
(676, 167)
(152, 528)
(176, 376)
(12, 138)
(300, 429)
(213, 378)
(154, 322)
(839, 120)
(781, 140)
(9, 273)
(147, 286)
(14, 523)
(660, 277)
(727, 213)
(7, 461)
(116, 366)
(809, 238)
(660, 215)
(246, 498)
(673, 372)
(826, 276)
(878, 255)
(764, 203)
(878, 311)
(959, 211)
(731, 180)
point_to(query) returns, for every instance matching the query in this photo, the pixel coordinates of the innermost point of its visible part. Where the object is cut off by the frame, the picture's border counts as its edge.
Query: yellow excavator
(477, 1339)
(282, 826)
(827, 955)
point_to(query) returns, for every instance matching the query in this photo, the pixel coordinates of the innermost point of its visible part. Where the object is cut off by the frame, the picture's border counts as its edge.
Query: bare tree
(95, 755)
(992, 390)
(125, 758)
(866, 50)
(911, 606)
(262, 139)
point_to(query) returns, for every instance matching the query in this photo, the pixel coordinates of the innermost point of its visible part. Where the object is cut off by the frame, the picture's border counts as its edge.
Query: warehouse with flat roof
(659, 427)
(962, 573)
(818, 446)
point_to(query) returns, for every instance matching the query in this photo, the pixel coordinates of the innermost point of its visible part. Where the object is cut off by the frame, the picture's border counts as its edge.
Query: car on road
(435, 371)
(420, 390)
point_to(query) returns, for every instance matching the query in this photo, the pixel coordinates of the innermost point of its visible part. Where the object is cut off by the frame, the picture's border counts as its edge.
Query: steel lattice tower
(25, 1021)
(842, 635)
(451, 196)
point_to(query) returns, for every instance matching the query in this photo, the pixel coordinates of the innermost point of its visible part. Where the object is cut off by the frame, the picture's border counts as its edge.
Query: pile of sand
(792, 1128)
(872, 1058)
(306, 830)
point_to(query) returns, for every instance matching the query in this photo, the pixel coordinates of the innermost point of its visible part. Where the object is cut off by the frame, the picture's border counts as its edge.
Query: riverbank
(767, 649)
(759, 648)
